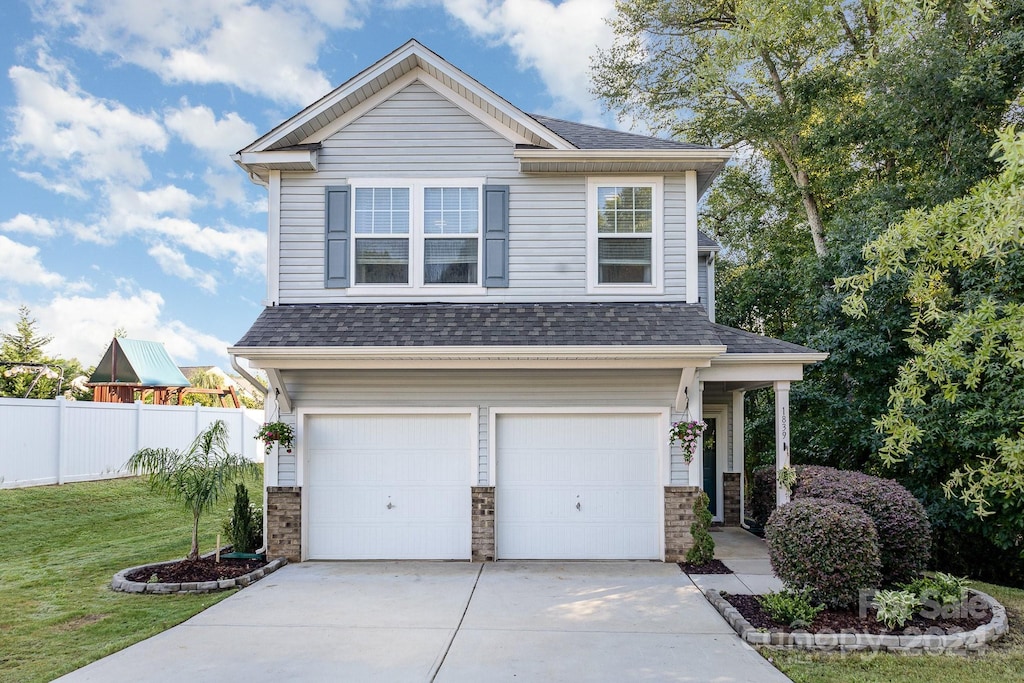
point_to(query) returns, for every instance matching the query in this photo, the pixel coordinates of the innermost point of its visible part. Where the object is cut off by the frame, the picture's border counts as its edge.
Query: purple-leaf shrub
(827, 546)
(904, 535)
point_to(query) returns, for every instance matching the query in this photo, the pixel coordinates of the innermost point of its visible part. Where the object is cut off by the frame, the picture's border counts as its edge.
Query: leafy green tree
(198, 476)
(749, 71)
(25, 344)
(964, 267)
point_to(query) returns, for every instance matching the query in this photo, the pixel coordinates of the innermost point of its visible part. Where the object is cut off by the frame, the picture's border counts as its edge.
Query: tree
(748, 72)
(964, 267)
(25, 345)
(197, 477)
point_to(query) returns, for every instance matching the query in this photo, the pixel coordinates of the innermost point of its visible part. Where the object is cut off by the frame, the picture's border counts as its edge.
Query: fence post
(138, 426)
(195, 432)
(62, 438)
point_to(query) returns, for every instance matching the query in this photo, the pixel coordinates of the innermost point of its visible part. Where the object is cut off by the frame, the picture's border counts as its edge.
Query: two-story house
(482, 324)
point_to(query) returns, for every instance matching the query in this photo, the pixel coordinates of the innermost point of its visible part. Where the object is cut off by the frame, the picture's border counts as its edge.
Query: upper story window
(624, 235)
(416, 233)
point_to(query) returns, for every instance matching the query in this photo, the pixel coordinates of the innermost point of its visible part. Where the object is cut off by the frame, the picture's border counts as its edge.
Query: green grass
(1004, 661)
(59, 548)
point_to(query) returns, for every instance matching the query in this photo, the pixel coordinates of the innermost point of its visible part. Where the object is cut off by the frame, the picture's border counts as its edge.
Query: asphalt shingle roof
(541, 324)
(592, 137)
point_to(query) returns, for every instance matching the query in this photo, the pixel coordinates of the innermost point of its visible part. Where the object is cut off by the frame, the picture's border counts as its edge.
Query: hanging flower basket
(688, 435)
(276, 432)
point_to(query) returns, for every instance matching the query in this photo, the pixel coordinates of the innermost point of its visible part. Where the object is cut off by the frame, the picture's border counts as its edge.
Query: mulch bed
(712, 567)
(836, 621)
(188, 571)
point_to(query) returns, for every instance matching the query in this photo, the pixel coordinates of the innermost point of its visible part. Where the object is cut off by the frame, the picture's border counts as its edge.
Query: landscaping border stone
(936, 642)
(122, 584)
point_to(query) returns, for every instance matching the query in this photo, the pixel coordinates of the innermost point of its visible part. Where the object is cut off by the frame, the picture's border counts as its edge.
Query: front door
(711, 463)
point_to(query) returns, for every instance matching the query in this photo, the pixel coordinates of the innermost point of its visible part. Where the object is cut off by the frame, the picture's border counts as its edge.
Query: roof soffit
(368, 85)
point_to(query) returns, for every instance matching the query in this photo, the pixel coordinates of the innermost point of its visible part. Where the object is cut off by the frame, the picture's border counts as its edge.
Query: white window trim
(416, 236)
(657, 285)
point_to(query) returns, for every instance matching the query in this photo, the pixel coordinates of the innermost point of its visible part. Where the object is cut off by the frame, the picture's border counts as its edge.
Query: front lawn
(60, 547)
(1003, 662)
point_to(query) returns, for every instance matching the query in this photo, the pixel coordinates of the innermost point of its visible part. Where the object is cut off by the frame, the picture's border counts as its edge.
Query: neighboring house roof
(507, 324)
(583, 136)
(706, 243)
(144, 363)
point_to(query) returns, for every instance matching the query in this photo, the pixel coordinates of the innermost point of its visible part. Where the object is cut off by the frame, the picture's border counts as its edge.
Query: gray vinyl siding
(702, 280)
(483, 389)
(419, 133)
(286, 461)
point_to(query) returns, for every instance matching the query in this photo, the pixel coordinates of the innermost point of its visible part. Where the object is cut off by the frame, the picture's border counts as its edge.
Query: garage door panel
(389, 486)
(578, 486)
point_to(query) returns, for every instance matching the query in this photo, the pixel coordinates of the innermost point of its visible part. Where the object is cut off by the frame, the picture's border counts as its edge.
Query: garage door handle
(390, 505)
(578, 507)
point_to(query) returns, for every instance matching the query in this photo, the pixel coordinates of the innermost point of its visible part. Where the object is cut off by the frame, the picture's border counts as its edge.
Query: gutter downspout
(246, 376)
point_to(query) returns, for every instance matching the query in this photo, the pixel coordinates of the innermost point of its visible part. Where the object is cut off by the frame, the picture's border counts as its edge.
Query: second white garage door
(389, 486)
(578, 486)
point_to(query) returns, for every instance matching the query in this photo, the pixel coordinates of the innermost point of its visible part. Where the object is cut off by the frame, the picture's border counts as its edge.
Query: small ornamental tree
(198, 476)
(703, 549)
(245, 527)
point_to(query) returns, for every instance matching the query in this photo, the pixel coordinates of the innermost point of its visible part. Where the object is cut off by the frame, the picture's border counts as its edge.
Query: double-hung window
(417, 233)
(624, 235)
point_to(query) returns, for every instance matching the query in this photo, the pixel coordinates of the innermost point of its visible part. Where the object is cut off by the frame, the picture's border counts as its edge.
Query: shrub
(942, 593)
(904, 535)
(244, 529)
(762, 495)
(703, 549)
(895, 608)
(829, 547)
(790, 607)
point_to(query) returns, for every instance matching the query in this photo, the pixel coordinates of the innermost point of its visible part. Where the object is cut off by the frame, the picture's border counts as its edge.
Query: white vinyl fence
(59, 441)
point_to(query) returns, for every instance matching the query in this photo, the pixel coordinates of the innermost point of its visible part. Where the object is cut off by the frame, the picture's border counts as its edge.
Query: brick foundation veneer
(731, 498)
(284, 522)
(678, 518)
(483, 523)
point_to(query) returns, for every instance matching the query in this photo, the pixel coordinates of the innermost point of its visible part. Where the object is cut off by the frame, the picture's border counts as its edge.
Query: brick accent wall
(284, 522)
(678, 518)
(731, 498)
(483, 523)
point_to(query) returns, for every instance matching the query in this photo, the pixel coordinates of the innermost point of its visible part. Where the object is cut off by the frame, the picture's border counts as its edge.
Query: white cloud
(230, 188)
(19, 263)
(217, 139)
(172, 262)
(52, 184)
(555, 39)
(84, 137)
(262, 48)
(163, 213)
(32, 225)
(82, 327)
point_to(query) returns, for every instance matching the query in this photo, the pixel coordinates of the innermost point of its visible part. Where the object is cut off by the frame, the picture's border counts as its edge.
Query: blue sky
(119, 205)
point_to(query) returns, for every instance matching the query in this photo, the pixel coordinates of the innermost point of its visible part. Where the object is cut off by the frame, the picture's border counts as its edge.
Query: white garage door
(578, 486)
(393, 486)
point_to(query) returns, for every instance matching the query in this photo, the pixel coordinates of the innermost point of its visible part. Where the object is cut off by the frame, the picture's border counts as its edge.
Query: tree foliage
(964, 268)
(198, 476)
(27, 372)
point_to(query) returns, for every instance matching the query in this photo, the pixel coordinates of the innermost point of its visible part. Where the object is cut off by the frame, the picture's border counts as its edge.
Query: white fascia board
(760, 367)
(511, 357)
(259, 163)
(719, 156)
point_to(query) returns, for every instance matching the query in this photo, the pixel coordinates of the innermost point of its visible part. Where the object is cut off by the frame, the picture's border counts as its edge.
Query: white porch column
(738, 436)
(781, 436)
(695, 407)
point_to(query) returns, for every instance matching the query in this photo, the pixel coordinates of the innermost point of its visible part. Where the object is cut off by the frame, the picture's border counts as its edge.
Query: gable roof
(542, 144)
(504, 325)
(144, 363)
(378, 76)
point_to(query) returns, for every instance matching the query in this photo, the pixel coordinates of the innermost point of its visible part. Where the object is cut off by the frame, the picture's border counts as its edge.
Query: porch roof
(319, 326)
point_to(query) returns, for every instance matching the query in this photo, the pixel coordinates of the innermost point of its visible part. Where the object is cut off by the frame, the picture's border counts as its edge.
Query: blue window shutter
(336, 250)
(495, 235)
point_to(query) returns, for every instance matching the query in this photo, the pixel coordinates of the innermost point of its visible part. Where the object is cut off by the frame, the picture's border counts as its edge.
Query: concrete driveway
(450, 622)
